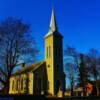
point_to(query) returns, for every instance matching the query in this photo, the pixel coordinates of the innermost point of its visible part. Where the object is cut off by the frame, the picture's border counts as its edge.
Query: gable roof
(30, 68)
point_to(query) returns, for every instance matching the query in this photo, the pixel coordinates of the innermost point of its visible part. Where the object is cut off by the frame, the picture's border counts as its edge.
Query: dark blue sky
(78, 20)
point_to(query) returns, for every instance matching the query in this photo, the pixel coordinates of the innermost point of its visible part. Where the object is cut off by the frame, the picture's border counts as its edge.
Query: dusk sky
(78, 20)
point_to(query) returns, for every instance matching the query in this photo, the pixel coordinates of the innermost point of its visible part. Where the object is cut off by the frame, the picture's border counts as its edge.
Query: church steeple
(54, 57)
(53, 25)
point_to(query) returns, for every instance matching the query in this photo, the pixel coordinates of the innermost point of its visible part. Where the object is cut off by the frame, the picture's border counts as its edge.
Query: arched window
(12, 85)
(22, 83)
(17, 83)
(49, 51)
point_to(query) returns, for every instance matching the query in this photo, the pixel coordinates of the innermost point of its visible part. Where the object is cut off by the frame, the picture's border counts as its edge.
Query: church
(46, 77)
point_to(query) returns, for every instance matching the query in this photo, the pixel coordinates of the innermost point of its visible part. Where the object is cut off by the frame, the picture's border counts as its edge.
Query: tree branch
(4, 73)
(2, 81)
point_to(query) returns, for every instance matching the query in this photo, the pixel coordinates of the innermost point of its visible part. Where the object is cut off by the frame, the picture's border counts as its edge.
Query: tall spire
(53, 25)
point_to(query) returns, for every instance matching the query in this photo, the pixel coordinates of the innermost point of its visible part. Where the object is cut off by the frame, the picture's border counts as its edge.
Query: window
(13, 85)
(17, 83)
(22, 83)
(49, 51)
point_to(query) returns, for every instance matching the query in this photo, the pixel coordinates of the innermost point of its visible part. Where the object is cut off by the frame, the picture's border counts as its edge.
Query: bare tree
(16, 46)
(73, 53)
(83, 74)
(71, 66)
(93, 63)
(70, 72)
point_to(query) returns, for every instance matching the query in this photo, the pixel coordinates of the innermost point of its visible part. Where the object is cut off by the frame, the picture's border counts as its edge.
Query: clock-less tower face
(54, 58)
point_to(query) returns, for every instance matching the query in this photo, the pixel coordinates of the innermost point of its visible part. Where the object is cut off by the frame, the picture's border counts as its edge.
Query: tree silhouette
(71, 66)
(94, 63)
(83, 75)
(16, 46)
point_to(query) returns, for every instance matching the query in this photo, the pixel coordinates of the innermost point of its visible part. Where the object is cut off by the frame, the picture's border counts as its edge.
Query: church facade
(46, 77)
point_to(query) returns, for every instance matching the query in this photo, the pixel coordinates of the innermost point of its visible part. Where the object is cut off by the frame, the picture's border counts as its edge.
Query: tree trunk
(95, 79)
(84, 88)
(72, 86)
(6, 88)
(96, 84)
(7, 85)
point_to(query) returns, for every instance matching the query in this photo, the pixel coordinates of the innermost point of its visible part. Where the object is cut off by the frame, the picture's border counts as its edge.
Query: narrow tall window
(13, 85)
(22, 84)
(17, 83)
(49, 51)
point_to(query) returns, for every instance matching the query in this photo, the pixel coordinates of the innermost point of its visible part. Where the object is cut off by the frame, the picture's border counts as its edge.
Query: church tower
(54, 58)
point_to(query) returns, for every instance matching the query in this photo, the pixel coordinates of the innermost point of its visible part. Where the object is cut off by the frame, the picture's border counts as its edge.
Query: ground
(13, 97)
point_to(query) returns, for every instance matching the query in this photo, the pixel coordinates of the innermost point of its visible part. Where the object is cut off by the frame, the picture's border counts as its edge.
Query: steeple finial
(53, 4)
